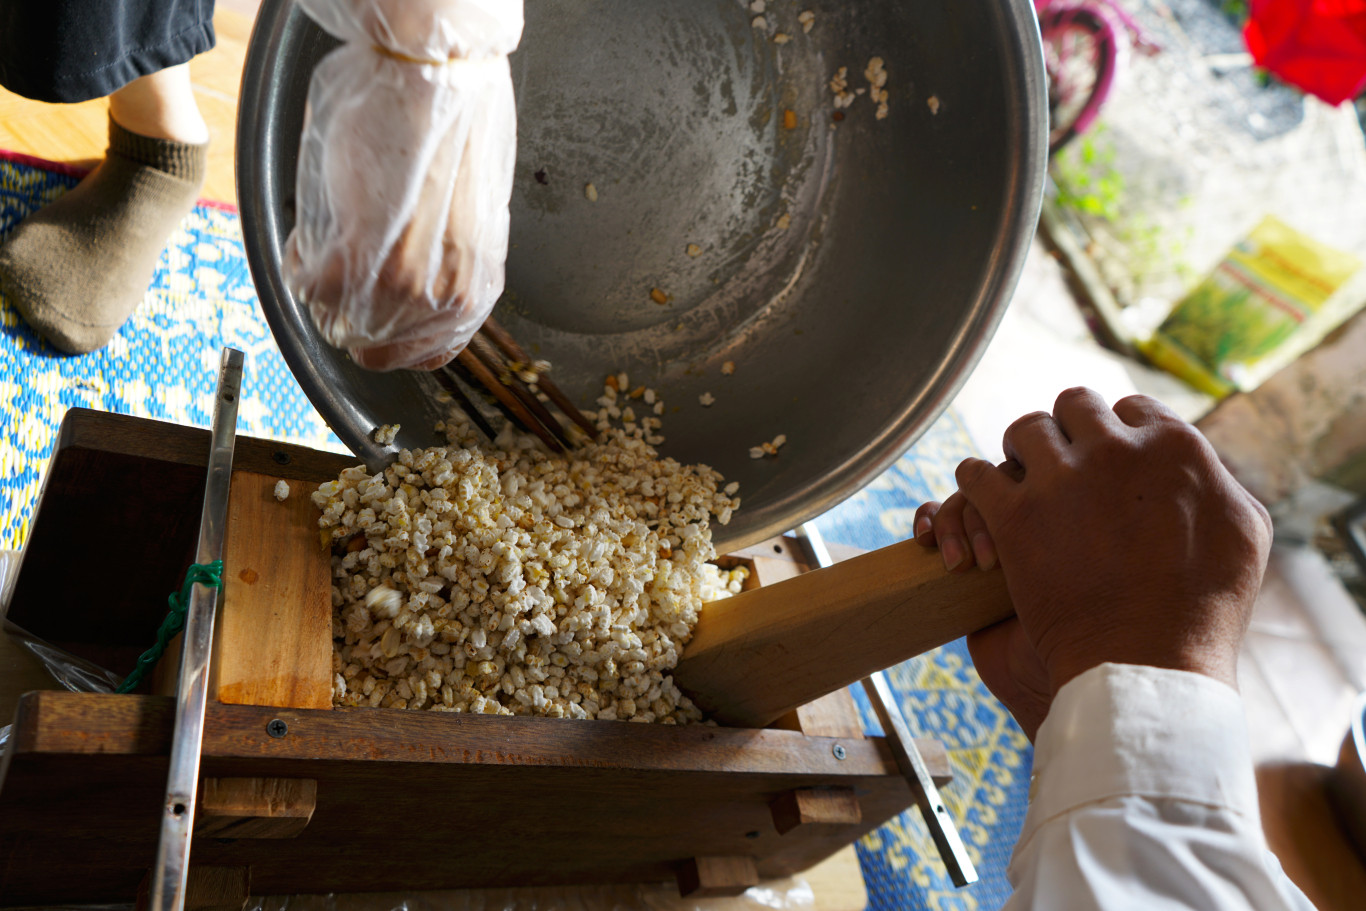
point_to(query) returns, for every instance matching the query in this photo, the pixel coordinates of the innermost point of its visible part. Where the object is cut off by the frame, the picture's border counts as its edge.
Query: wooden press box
(306, 798)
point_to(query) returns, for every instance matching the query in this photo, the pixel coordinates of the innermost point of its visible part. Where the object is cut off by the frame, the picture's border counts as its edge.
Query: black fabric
(75, 50)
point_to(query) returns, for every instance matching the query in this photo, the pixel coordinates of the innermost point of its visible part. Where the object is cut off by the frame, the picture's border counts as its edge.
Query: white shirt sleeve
(1143, 797)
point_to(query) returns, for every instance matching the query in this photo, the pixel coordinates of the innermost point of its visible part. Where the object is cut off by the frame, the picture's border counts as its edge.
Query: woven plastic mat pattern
(162, 364)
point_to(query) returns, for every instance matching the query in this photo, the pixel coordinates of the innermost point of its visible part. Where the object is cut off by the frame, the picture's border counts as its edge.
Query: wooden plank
(772, 561)
(764, 652)
(60, 723)
(108, 474)
(936, 758)
(703, 877)
(833, 715)
(255, 807)
(162, 441)
(72, 801)
(273, 643)
(217, 888)
(836, 884)
(834, 808)
(207, 889)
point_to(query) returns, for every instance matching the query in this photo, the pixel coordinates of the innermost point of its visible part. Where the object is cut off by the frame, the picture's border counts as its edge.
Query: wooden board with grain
(765, 652)
(832, 715)
(254, 807)
(273, 644)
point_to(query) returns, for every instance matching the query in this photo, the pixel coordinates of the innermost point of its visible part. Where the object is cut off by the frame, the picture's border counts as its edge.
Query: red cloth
(1317, 45)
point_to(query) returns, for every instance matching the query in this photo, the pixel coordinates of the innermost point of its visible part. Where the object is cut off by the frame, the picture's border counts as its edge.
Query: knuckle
(1264, 524)
(1034, 417)
(1022, 424)
(1186, 440)
(969, 472)
(1113, 443)
(1074, 392)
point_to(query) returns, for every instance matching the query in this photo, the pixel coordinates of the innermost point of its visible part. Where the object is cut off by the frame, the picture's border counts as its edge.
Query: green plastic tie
(210, 574)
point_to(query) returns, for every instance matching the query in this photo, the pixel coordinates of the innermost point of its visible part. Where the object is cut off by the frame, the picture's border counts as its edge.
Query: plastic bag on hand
(432, 30)
(404, 176)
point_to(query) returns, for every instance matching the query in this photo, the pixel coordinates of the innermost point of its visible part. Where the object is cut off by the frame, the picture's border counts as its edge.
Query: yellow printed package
(1254, 312)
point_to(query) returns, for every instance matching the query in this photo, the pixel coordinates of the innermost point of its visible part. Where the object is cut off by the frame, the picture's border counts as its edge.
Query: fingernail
(923, 526)
(984, 549)
(951, 549)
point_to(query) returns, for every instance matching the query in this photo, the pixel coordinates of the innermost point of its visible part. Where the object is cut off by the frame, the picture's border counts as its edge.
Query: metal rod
(908, 759)
(182, 783)
(937, 819)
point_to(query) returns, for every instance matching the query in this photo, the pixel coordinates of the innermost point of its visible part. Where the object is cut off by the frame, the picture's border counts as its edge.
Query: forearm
(405, 175)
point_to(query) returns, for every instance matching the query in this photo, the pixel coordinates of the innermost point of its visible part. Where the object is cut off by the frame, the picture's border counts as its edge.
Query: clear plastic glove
(405, 171)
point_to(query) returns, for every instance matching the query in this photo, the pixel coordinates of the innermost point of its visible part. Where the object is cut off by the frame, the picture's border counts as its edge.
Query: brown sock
(77, 269)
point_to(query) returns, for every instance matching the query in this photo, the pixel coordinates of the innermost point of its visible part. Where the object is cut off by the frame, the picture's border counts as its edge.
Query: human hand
(434, 30)
(1122, 539)
(405, 172)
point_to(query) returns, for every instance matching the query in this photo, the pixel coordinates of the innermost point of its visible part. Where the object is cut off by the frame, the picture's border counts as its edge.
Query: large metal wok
(854, 271)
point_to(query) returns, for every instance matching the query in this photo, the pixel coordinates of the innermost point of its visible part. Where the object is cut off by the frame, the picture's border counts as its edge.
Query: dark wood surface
(116, 527)
(418, 800)
(810, 808)
(206, 889)
(254, 807)
(708, 877)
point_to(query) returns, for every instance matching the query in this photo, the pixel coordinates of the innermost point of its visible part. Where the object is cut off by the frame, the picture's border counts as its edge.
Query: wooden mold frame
(299, 797)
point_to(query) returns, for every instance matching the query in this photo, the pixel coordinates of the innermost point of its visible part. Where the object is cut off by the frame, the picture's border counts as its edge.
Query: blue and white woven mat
(163, 363)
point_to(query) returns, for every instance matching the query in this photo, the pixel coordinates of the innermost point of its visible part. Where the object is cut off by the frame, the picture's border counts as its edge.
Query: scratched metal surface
(853, 271)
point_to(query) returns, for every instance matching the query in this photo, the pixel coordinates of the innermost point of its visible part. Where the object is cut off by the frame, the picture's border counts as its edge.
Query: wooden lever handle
(764, 652)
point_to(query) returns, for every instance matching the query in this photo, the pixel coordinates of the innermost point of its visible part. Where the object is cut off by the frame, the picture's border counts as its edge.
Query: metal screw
(282, 457)
(838, 750)
(277, 728)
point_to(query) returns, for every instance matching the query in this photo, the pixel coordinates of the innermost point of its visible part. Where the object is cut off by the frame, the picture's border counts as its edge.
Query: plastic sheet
(424, 29)
(405, 172)
(787, 894)
(73, 673)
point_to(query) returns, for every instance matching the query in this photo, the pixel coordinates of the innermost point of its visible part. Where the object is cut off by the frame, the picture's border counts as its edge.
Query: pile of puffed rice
(502, 579)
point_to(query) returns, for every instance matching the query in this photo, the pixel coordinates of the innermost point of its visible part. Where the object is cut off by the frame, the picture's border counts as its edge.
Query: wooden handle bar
(766, 651)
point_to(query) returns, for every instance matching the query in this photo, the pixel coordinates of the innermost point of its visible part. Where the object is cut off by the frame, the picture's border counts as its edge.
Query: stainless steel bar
(908, 759)
(937, 819)
(182, 783)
